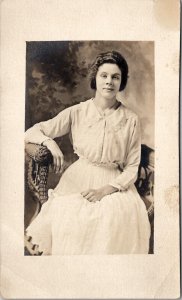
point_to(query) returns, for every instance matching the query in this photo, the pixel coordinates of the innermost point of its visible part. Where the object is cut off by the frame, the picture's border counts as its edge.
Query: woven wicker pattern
(38, 170)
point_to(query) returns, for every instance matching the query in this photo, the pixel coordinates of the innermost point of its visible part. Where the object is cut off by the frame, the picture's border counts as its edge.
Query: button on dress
(109, 149)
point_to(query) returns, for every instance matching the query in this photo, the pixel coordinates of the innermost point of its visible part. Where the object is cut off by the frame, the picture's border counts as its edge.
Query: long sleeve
(56, 127)
(129, 174)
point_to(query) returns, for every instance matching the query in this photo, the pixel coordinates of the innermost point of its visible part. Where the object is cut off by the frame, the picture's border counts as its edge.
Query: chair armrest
(38, 167)
(145, 180)
(39, 159)
(38, 153)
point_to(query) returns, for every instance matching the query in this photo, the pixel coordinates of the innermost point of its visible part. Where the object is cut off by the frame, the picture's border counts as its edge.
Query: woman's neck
(104, 103)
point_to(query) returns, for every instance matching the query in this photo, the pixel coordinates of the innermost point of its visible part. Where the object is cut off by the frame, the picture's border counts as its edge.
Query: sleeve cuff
(46, 139)
(120, 189)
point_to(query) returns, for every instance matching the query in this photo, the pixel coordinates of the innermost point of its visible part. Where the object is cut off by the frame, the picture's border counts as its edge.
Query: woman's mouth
(109, 89)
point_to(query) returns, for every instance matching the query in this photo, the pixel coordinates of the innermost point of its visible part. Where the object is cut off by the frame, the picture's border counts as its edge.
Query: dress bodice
(112, 140)
(102, 139)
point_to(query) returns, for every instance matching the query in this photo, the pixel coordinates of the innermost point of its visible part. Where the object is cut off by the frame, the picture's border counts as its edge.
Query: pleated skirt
(68, 224)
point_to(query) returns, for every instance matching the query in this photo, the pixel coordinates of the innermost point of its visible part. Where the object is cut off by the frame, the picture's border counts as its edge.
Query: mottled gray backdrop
(57, 78)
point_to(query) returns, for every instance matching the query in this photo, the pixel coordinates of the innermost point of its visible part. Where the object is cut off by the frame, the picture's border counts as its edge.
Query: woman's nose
(109, 80)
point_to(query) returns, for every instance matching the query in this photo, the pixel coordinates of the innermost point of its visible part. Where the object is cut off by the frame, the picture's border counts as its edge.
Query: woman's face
(108, 80)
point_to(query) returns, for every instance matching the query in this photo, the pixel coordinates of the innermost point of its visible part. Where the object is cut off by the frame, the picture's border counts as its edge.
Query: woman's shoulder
(81, 109)
(86, 103)
(129, 113)
(82, 105)
(75, 107)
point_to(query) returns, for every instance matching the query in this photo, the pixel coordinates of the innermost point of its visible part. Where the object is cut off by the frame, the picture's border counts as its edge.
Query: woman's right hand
(58, 157)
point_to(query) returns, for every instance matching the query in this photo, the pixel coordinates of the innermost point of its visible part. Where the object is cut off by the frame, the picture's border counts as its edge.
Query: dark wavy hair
(112, 57)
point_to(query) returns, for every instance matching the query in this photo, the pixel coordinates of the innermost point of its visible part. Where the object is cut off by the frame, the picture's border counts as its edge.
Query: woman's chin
(109, 96)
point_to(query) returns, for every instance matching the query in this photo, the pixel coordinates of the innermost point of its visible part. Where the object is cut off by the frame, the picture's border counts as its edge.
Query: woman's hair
(112, 57)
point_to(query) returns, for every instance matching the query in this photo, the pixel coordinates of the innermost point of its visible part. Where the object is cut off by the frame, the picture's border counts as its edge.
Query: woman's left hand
(93, 195)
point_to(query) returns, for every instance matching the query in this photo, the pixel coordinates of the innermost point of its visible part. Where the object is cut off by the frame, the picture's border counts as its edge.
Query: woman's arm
(94, 195)
(44, 133)
(55, 127)
(130, 171)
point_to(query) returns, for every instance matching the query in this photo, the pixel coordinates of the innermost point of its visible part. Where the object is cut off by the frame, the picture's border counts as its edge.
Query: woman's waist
(100, 164)
(84, 174)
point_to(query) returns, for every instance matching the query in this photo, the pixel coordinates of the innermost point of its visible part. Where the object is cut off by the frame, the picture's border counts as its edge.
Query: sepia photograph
(89, 156)
(89, 148)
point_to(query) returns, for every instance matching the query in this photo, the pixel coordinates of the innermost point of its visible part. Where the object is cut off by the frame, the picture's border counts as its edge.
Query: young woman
(95, 208)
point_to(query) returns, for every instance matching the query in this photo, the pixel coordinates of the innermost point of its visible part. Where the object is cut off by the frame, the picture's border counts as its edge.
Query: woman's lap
(116, 224)
(72, 225)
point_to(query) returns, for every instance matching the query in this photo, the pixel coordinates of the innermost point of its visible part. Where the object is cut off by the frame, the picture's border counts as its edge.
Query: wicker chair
(39, 159)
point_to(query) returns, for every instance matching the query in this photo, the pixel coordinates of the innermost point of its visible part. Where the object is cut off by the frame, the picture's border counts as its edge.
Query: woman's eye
(116, 77)
(104, 76)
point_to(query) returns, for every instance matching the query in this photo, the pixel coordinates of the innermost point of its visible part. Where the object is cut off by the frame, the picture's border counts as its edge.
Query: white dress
(109, 153)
